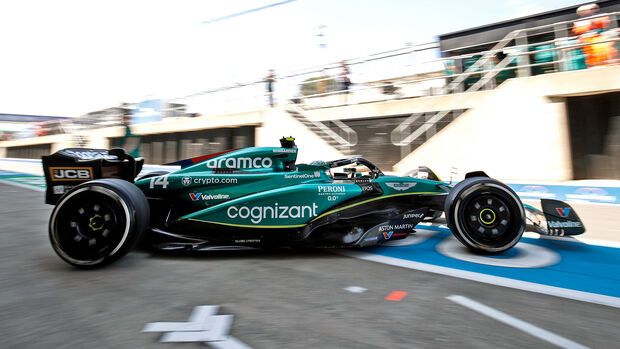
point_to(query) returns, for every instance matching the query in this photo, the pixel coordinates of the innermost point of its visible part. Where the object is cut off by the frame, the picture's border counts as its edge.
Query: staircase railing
(520, 51)
(351, 135)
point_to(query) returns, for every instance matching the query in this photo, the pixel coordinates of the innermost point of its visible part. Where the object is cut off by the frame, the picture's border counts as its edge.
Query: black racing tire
(152, 174)
(98, 222)
(485, 215)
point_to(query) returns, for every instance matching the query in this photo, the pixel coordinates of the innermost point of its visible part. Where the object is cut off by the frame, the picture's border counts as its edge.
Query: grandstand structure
(506, 97)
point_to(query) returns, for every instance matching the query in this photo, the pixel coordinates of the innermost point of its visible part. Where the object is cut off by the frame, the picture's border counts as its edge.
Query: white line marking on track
(356, 289)
(574, 238)
(489, 279)
(229, 343)
(528, 255)
(516, 323)
(217, 332)
(203, 326)
(15, 184)
(198, 320)
(533, 235)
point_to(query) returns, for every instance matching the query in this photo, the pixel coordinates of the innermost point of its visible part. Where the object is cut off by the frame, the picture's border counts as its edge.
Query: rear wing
(67, 168)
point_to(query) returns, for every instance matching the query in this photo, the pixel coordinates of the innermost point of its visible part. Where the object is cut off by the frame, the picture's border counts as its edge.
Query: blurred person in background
(345, 80)
(321, 84)
(270, 80)
(131, 142)
(40, 129)
(451, 68)
(591, 30)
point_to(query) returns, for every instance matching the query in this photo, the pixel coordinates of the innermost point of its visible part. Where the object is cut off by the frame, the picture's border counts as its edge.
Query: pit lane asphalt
(280, 299)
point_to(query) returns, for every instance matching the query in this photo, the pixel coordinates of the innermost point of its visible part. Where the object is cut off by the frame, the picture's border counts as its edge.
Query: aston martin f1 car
(259, 197)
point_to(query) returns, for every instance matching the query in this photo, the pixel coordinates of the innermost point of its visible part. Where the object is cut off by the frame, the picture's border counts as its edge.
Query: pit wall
(99, 138)
(519, 131)
(57, 142)
(272, 124)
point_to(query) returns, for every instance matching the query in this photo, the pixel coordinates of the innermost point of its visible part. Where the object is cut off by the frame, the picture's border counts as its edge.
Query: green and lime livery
(260, 197)
(268, 197)
(262, 191)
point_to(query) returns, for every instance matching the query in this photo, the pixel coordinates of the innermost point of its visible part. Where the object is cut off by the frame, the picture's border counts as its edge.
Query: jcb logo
(71, 173)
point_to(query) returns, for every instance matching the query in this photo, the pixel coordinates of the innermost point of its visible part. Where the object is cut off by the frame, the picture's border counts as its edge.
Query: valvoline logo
(563, 211)
(195, 196)
(387, 236)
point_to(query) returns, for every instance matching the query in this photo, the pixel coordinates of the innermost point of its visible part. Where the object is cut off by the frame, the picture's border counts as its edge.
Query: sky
(68, 58)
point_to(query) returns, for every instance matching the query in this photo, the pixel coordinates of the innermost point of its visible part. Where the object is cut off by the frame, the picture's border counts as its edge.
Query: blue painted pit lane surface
(597, 194)
(5, 173)
(570, 265)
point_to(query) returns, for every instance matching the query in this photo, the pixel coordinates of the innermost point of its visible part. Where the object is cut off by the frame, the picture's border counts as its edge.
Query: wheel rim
(491, 226)
(89, 225)
(487, 216)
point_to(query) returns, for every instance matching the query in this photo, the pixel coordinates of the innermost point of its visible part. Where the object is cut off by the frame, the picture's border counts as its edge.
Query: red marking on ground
(396, 296)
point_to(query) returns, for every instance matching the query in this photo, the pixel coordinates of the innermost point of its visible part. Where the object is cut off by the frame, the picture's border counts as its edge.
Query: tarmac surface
(279, 299)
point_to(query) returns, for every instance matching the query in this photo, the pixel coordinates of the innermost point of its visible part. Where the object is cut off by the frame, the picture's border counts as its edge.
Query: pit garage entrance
(594, 127)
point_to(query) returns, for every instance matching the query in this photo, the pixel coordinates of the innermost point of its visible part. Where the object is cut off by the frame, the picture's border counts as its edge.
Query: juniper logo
(414, 215)
(257, 162)
(401, 186)
(257, 213)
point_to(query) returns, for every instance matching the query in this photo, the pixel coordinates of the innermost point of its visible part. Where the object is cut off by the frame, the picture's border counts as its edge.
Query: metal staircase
(401, 135)
(344, 139)
(520, 51)
(70, 128)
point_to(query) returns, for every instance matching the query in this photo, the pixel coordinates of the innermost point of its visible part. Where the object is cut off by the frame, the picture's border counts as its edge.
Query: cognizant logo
(257, 213)
(240, 163)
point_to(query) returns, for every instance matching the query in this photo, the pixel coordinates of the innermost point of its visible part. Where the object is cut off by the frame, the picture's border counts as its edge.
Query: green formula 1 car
(259, 197)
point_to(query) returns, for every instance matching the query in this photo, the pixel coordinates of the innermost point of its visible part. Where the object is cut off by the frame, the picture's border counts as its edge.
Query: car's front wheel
(485, 215)
(98, 222)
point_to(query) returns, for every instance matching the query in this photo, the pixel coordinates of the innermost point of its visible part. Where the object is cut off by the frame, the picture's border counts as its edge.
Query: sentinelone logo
(257, 213)
(240, 163)
(316, 174)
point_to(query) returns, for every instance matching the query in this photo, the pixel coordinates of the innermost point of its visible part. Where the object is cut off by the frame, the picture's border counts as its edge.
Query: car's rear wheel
(98, 222)
(485, 215)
